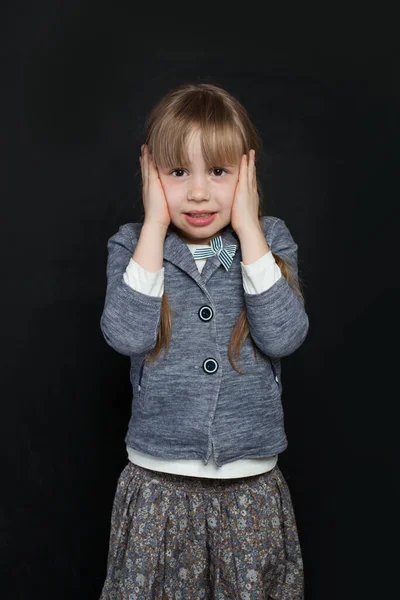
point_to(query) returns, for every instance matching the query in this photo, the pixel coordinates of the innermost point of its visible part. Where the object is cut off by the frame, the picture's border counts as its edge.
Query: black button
(210, 365)
(206, 313)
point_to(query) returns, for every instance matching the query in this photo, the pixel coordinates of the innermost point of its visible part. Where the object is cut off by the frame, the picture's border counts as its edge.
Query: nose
(198, 189)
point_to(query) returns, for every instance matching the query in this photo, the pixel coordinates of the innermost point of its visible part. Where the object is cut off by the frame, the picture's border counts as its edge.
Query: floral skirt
(178, 537)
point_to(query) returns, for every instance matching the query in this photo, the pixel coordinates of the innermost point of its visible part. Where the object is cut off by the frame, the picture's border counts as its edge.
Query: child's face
(196, 188)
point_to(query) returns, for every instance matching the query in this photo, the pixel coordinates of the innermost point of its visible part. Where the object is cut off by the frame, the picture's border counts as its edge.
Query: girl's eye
(177, 171)
(217, 170)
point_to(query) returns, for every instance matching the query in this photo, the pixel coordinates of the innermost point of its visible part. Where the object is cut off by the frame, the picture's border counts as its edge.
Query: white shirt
(257, 277)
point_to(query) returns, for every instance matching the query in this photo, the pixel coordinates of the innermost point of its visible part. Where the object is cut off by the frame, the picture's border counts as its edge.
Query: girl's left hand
(246, 201)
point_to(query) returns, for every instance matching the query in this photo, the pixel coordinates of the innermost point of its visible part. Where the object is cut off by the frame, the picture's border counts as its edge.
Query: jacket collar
(177, 252)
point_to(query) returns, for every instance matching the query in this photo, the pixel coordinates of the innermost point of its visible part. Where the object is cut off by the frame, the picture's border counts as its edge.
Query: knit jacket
(191, 403)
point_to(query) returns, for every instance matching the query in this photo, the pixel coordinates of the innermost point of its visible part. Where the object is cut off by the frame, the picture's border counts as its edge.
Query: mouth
(200, 219)
(200, 214)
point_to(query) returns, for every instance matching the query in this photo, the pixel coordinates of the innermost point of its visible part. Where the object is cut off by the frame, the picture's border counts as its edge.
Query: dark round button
(210, 365)
(206, 313)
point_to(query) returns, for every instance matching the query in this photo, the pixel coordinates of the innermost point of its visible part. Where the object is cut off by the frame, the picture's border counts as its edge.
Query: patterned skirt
(178, 537)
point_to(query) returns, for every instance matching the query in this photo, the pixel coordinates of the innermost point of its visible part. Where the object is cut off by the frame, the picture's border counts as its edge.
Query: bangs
(222, 141)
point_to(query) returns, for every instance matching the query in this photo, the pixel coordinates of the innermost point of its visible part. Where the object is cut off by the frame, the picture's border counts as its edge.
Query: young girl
(204, 296)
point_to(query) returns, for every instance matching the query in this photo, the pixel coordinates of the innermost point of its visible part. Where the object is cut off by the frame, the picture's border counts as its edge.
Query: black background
(323, 90)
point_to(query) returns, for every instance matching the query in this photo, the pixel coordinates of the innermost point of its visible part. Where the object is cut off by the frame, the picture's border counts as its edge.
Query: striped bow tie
(225, 254)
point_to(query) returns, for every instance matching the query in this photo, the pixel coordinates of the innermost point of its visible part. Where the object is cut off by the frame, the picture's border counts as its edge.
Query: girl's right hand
(154, 201)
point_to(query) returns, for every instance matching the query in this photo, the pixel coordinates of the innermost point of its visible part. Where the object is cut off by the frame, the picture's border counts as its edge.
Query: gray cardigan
(191, 402)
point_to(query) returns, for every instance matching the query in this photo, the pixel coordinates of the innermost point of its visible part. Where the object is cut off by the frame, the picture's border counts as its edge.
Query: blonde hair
(226, 133)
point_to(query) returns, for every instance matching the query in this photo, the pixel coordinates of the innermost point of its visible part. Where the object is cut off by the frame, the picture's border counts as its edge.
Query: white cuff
(261, 274)
(142, 280)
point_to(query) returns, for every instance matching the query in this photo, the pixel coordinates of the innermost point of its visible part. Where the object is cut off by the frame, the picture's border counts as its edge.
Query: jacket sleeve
(277, 318)
(130, 319)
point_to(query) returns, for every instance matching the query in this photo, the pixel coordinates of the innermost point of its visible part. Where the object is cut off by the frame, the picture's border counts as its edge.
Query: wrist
(155, 227)
(248, 229)
(253, 244)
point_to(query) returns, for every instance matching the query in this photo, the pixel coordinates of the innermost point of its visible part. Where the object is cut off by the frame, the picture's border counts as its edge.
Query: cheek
(168, 190)
(173, 198)
(227, 194)
(170, 194)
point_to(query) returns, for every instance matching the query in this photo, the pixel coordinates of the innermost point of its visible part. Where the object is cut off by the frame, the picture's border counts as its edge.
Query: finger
(153, 173)
(148, 161)
(243, 169)
(251, 168)
(150, 169)
(141, 161)
(143, 164)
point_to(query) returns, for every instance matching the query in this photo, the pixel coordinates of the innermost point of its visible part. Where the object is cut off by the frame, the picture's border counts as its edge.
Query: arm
(277, 317)
(147, 282)
(261, 274)
(130, 318)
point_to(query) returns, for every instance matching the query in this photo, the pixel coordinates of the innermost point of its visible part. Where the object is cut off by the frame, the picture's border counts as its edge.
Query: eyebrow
(217, 164)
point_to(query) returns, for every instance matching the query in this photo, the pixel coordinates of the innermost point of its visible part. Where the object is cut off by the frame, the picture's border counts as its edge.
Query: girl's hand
(154, 201)
(246, 201)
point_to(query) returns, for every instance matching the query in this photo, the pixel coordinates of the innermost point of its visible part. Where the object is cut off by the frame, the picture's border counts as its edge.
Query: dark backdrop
(324, 93)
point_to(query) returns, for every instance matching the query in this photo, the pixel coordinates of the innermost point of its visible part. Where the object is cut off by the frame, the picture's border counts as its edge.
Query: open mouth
(205, 214)
(200, 219)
